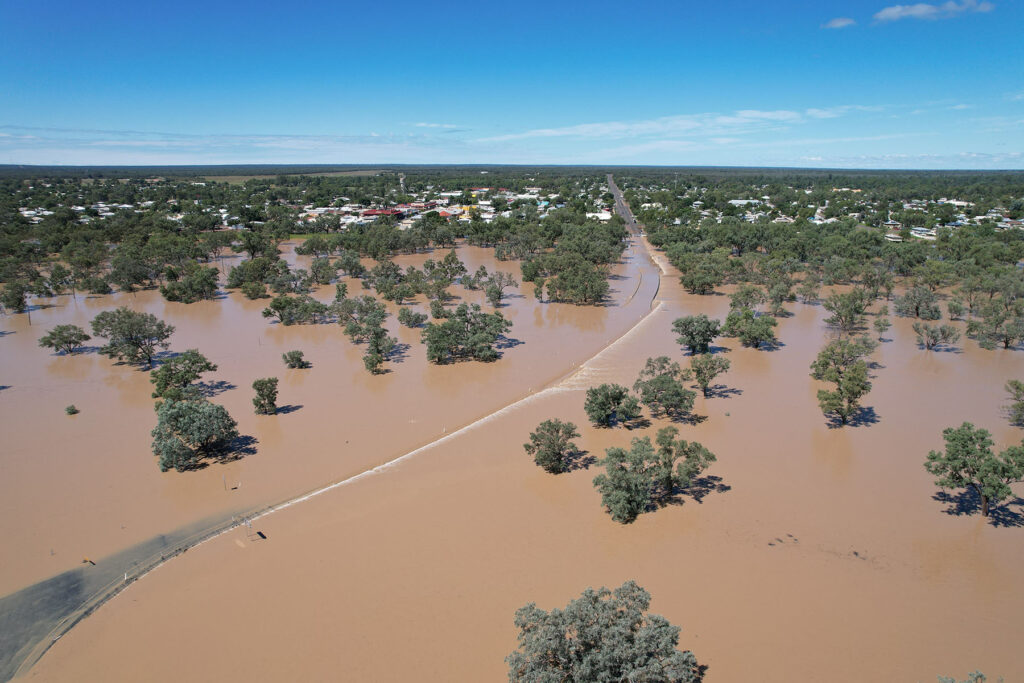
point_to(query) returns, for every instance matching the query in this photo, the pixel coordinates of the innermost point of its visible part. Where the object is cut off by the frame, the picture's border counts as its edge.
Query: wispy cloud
(24, 144)
(960, 107)
(435, 125)
(686, 125)
(924, 10)
(839, 22)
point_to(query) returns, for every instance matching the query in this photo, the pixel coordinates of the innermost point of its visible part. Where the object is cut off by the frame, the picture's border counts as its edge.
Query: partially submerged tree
(64, 338)
(1015, 388)
(660, 387)
(496, 286)
(411, 318)
(265, 400)
(706, 368)
(467, 332)
(295, 360)
(188, 431)
(610, 403)
(998, 324)
(626, 486)
(696, 332)
(191, 284)
(847, 310)
(842, 363)
(14, 296)
(882, 325)
(132, 336)
(600, 636)
(752, 330)
(551, 445)
(173, 379)
(918, 302)
(932, 336)
(678, 462)
(969, 462)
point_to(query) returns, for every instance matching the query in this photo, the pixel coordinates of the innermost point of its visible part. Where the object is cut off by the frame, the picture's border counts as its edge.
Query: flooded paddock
(815, 553)
(88, 485)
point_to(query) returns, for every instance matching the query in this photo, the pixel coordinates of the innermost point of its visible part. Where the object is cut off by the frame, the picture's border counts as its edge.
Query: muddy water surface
(815, 554)
(88, 485)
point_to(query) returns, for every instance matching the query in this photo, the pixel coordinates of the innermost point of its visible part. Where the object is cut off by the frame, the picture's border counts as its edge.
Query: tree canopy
(602, 636)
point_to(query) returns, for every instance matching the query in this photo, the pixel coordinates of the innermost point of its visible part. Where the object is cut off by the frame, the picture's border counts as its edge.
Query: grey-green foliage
(847, 310)
(361, 316)
(132, 336)
(918, 302)
(1015, 388)
(1000, 323)
(627, 484)
(677, 462)
(64, 338)
(696, 332)
(973, 677)
(660, 387)
(322, 271)
(379, 347)
(173, 379)
(265, 400)
(969, 462)
(746, 297)
(751, 329)
(292, 310)
(932, 336)
(551, 445)
(14, 296)
(610, 403)
(882, 325)
(295, 360)
(188, 431)
(842, 363)
(706, 368)
(411, 318)
(602, 637)
(467, 332)
(71, 410)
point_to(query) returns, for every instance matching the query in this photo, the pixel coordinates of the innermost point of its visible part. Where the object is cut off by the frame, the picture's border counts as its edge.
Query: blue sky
(850, 83)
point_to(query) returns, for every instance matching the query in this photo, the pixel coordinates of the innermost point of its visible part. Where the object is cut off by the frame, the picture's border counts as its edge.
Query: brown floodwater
(88, 485)
(818, 553)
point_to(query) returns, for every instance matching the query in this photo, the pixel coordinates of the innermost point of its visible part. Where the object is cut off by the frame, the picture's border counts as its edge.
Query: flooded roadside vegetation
(783, 404)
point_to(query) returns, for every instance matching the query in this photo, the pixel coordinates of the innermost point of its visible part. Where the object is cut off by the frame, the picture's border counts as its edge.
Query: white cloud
(435, 125)
(924, 10)
(839, 22)
(960, 107)
(711, 125)
(725, 141)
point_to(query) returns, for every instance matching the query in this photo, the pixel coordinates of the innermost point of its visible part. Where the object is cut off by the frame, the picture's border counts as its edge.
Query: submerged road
(34, 618)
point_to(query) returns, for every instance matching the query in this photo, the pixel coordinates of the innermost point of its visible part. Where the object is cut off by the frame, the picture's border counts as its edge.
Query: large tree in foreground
(188, 431)
(969, 463)
(132, 336)
(600, 636)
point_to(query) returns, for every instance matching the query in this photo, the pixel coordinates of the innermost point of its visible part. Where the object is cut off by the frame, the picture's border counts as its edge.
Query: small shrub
(72, 410)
